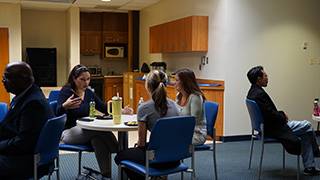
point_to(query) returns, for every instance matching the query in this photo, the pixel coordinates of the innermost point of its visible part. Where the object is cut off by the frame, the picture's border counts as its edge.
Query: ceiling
(85, 5)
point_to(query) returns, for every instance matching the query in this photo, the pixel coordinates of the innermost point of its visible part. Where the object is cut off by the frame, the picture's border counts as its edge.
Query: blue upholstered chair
(3, 110)
(72, 147)
(53, 105)
(53, 95)
(211, 111)
(170, 140)
(257, 133)
(76, 148)
(47, 148)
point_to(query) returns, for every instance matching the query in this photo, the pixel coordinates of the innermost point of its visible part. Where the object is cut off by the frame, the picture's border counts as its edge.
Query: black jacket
(275, 122)
(20, 129)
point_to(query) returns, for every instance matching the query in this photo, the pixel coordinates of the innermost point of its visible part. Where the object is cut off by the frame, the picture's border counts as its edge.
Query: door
(4, 60)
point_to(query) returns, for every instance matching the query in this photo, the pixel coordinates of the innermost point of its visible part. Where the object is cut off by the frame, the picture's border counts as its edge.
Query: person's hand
(72, 102)
(127, 110)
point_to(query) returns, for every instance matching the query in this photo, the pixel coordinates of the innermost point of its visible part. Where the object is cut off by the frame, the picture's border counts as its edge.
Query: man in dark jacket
(20, 129)
(296, 136)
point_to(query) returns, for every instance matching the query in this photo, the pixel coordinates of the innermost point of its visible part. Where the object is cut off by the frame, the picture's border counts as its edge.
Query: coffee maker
(159, 66)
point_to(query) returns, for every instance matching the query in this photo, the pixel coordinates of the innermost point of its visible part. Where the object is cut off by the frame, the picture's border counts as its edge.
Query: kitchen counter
(113, 76)
(202, 83)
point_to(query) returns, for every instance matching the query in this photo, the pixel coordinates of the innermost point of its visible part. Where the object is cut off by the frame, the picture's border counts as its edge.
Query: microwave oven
(114, 51)
(95, 71)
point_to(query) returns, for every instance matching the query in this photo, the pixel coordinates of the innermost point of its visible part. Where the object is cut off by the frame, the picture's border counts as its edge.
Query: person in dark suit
(297, 137)
(20, 129)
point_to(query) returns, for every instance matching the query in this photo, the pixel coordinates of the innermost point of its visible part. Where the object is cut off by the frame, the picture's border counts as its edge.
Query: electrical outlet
(314, 61)
(311, 61)
(305, 46)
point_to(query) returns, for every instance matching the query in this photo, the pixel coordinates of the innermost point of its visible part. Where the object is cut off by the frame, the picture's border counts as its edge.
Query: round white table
(107, 125)
(316, 118)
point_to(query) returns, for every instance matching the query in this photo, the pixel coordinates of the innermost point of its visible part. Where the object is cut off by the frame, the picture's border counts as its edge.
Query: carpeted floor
(232, 161)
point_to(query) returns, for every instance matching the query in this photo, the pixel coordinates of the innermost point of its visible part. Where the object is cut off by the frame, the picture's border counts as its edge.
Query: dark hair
(75, 73)
(20, 73)
(188, 83)
(156, 84)
(254, 73)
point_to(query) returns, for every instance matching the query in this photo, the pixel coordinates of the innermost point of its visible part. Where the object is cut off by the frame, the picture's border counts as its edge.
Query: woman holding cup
(74, 100)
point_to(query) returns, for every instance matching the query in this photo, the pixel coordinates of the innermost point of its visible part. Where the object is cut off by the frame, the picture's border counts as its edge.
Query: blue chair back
(54, 95)
(171, 137)
(255, 114)
(3, 110)
(48, 142)
(53, 106)
(211, 111)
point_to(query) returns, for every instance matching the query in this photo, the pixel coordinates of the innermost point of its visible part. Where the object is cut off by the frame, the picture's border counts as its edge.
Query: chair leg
(119, 172)
(79, 162)
(58, 168)
(298, 167)
(35, 167)
(283, 159)
(181, 175)
(193, 173)
(251, 149)
(261, 158)
(214, 158)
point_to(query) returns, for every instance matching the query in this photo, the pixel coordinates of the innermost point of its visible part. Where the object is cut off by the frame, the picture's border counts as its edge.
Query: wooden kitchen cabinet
(129, 90)
(115, 27)
(115, 37)
(90, 42)
(140, 91)
(212, 93)
(90, 33)
(112, 86)
(188, 34)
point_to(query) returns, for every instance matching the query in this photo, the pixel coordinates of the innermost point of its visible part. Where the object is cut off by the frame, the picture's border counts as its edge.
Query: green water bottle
(92, 110)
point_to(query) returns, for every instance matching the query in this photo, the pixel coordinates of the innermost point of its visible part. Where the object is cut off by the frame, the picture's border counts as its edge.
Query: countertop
(208, 85)
(107, 76)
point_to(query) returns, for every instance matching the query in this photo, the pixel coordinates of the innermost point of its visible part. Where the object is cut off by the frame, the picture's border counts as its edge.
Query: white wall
(73, 38)
(243, 34)
(10, 18)
(47, 29)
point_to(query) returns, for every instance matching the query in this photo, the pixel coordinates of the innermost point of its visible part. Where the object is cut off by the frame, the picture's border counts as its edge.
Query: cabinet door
(216, 96)
(157, 39)
(115, 22)
(112, 87)
(90, 42)
(188, 34)
(94, 42)
(90, 21)
(140, 92)
(83, 44)
(171, 92)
